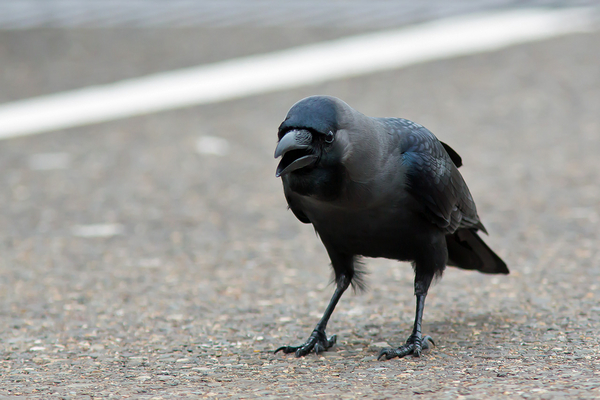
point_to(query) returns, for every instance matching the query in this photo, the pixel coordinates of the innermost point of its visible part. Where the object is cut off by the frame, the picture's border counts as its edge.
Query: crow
(378, 187)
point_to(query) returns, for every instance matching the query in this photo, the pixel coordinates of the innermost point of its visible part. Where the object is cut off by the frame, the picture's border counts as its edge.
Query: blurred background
(155, 255)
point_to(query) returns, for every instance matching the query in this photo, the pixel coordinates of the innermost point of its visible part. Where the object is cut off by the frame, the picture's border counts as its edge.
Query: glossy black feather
(456, 159)
(379, 214)
(378, 187)
(434, 178)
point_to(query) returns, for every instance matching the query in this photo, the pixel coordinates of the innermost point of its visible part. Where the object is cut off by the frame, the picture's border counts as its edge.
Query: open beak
(295, 147)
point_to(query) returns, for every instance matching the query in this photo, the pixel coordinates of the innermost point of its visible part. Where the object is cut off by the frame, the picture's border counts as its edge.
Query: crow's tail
(466, 250)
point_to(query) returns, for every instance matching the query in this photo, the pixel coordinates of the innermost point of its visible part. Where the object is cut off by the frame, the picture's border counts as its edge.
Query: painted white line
(48, 161)
(290, 68)
(97, 230)
(212, 145)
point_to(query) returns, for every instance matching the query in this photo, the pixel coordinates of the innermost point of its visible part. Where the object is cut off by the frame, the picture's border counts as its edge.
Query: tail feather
(466, 250)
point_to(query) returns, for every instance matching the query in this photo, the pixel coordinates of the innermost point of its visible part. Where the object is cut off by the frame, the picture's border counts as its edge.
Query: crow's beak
(295, 147)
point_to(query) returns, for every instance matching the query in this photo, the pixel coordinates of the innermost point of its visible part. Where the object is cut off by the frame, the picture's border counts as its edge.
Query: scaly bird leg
(318, 340)
(416, 341)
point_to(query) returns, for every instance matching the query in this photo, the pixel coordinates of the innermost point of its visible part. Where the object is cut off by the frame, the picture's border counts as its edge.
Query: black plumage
(378, 187)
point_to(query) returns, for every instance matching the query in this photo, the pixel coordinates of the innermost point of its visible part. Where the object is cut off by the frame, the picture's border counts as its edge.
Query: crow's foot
(317, 341)
(413, 346)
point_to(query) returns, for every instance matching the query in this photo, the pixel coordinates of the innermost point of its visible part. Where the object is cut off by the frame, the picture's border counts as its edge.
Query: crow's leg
(416, 341)
(318, 340)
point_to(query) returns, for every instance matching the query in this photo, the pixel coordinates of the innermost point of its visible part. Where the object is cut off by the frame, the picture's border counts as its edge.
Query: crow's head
(324, 144)
(308, 138)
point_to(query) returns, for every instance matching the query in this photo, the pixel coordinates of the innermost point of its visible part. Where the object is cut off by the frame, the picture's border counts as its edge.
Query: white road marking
(97, 230)
(149, 263)
(48, 161)
(290, 68)
(586, 213)
(212, 145)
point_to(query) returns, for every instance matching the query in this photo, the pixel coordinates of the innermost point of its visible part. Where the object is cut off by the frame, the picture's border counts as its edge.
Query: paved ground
(209, 273)
(373, 14)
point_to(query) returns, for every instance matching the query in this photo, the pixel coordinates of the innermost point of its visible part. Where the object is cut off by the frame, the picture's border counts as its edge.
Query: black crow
(378, 187)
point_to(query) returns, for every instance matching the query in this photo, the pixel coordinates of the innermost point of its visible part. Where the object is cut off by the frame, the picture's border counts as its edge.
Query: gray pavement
(208, 272)
(372, 14)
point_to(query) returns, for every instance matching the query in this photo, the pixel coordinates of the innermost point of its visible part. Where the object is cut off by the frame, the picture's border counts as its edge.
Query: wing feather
(434, 179)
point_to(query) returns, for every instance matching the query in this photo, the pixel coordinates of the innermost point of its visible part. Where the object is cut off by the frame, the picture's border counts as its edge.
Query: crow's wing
(433, 178)
(456, 159)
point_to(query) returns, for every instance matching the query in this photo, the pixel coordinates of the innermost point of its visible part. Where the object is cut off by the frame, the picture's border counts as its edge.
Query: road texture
(203, 272)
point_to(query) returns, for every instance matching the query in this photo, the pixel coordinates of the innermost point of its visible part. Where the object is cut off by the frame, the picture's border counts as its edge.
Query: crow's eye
(329, 137)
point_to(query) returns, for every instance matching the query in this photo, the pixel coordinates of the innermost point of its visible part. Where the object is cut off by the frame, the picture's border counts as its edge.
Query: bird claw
(317, 341)
(414, 345)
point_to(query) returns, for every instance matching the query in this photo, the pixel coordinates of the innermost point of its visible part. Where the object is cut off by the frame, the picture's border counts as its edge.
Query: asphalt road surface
(139, 260)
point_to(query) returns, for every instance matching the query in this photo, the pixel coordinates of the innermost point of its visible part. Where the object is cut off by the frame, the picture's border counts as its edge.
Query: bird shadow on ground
(459, 332)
